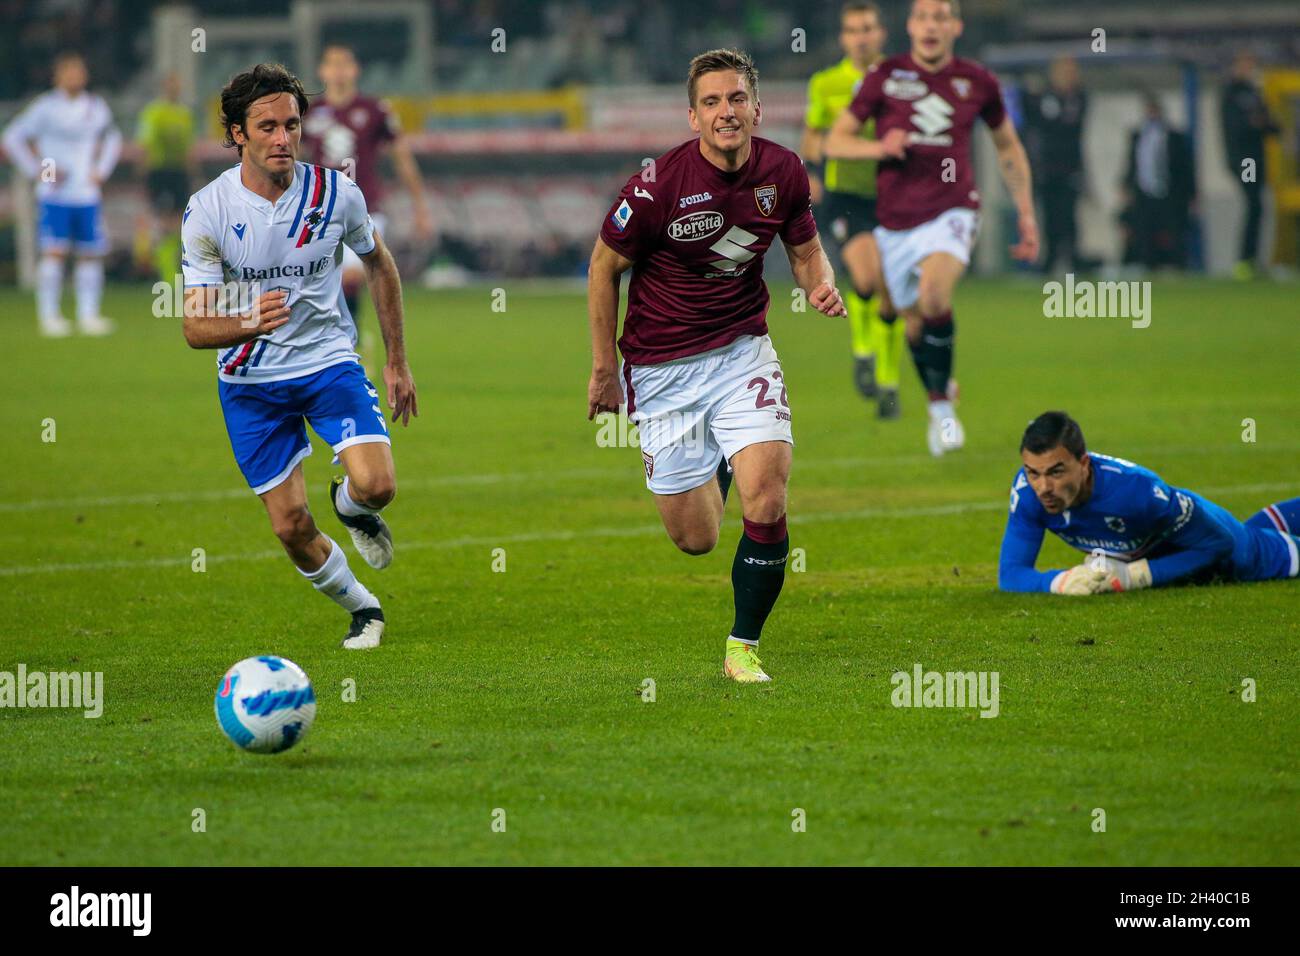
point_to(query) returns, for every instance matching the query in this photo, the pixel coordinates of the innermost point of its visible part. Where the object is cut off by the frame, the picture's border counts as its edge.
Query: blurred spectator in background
(165, 132)
(1246, 123)
(1160, 188)
(1054, 138)
(66, 141)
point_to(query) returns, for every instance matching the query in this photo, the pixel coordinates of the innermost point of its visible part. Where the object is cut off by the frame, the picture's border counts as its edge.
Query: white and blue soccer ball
(265, 704)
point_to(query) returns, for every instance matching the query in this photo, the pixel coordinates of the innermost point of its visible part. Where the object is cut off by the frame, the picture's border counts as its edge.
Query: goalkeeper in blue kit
(1140, 531)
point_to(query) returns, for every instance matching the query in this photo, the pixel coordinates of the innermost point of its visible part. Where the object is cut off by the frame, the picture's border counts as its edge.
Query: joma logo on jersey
(286, 272)
(695, 225)
(692, 200)
(765, 197)
(932, 116)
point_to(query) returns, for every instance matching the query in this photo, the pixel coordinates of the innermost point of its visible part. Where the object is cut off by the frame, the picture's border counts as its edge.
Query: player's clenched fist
(269, 312)
(826, 299)
(603, 393)
(1026, 250)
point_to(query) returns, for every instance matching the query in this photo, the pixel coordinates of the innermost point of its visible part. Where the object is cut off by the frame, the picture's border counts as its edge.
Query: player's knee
(934, 299)
(294, 527)
(375, 491)
(767, 505)
(695, 541)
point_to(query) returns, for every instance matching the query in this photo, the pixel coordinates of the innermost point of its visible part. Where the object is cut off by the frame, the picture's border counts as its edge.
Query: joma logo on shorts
(695, 225)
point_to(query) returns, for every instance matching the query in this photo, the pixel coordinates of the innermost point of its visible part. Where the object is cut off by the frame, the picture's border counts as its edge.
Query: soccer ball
(265, 704)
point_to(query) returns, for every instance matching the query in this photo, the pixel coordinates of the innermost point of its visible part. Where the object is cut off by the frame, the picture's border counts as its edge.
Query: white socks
(350, 507)
(88, 279)
(49, 288)
(336, 581)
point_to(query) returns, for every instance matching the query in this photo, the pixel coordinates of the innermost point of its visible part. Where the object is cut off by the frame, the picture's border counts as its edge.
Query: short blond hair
(717, 61)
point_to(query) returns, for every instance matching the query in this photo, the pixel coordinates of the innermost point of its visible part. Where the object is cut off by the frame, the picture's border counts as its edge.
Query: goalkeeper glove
(1101, 575)
(1082, 579)
(1129, 575)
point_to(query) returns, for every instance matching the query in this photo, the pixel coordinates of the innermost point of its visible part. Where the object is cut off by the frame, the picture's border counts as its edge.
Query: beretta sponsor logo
(695, 225)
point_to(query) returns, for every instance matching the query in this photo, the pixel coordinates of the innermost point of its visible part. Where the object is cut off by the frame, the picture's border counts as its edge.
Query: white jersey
(230, 235)
(76, 134)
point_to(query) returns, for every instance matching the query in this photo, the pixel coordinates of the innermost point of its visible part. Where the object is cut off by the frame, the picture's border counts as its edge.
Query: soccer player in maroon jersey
(700, 377)
(349, 132)
(925, 104)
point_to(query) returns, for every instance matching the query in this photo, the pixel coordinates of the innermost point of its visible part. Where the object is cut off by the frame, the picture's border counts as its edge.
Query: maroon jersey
(358, 132)
(697, 236)
(937, 110)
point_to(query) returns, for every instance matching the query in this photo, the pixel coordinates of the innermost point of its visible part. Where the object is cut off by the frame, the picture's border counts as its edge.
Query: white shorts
(903, 250)
(350, 259)
(691, 412)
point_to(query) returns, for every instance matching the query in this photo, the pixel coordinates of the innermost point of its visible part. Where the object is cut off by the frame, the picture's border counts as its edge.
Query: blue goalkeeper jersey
(1133, 513)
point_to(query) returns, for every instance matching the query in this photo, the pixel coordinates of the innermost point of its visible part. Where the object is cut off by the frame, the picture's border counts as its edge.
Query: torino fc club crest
(765, 196)
(962, 86)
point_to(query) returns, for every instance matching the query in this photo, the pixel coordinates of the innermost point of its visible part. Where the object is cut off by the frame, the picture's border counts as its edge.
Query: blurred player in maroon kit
(347, 131)
(700, 377)
(925, 104)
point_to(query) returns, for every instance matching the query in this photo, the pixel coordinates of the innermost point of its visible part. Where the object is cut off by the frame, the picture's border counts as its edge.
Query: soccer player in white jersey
(66, 141)
(273, 226)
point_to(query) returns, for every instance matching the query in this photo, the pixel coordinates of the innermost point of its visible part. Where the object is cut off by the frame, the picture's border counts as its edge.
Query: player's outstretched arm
(603, 391)
(1020, 547)
(385, 286)
(845, 141)
(208, 325)
(408, 170)
(1013, 165)
(812, 270)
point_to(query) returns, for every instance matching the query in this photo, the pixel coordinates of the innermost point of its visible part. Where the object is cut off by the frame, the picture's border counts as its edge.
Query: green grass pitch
(522, 690)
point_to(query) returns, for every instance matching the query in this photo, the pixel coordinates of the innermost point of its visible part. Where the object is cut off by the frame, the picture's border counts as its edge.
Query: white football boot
(95, 325)
(56, 327)
(366, 631)
(370, 534)
(944, 434)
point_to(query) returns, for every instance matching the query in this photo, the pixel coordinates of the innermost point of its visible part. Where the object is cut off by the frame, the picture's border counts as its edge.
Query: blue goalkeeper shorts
(267, 421)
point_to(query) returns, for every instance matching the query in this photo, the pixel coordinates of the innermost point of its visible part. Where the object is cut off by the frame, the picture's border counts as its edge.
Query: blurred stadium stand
(523, 151)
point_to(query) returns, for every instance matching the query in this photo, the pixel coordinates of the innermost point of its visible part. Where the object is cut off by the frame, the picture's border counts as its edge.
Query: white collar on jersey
(265, 204)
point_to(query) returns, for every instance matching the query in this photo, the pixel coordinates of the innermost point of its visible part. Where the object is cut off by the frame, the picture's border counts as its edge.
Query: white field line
(626, 531)
(489, 478)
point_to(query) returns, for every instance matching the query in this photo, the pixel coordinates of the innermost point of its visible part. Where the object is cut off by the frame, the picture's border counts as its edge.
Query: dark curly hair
(246, 88)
